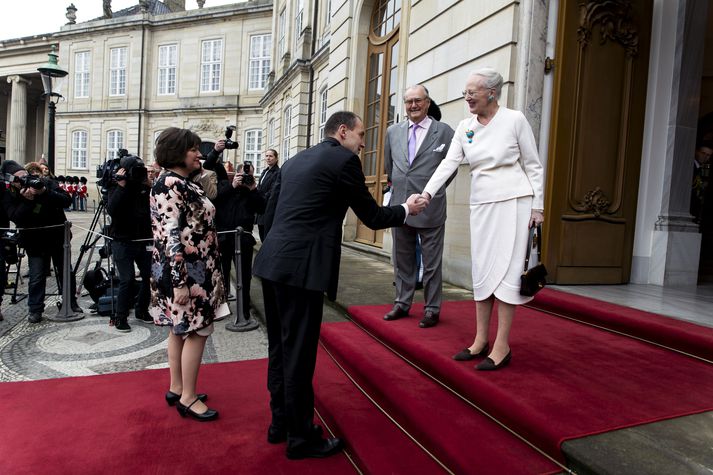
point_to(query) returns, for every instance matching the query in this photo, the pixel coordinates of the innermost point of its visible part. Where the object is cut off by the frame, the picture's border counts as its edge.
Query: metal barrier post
(66, 314)
(241, 323)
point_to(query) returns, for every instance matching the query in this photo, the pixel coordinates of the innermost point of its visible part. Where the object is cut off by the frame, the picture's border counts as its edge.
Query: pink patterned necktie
(412, 144)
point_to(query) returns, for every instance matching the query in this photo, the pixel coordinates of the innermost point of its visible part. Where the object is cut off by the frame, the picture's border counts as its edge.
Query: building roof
(156, 7)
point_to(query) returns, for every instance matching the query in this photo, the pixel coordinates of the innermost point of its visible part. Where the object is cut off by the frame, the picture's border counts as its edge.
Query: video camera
(135, 171)
(230, 144)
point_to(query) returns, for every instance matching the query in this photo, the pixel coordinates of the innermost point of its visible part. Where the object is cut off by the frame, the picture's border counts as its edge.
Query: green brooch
(470, 134)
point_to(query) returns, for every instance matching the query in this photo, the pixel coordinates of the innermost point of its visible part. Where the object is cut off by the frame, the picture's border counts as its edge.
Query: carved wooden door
(593, 164)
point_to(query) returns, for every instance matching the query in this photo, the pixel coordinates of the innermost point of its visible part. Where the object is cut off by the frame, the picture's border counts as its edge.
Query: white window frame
(282, 33)
(117, 70)
(299, 20)
(211, 65)
(79, 150)
(259, 67)
(167, 69)
(253, 148)
(322, 112)
(286, 131)
(271, 132)
(82, 65)
(114, 141)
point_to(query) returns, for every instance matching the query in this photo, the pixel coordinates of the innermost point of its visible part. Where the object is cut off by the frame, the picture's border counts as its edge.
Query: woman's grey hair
(491, 79)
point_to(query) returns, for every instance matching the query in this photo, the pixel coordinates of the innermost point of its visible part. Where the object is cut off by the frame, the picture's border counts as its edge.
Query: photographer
(33, 204)
(128, 206)
(236, 205)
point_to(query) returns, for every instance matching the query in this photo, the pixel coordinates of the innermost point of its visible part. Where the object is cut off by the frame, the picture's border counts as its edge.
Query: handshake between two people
(417, 203)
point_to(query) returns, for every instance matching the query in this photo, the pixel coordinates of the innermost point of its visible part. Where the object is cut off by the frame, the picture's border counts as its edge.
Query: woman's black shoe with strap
(208, 415)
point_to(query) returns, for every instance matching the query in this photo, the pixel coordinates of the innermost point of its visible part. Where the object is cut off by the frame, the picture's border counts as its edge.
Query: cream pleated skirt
(498, 242)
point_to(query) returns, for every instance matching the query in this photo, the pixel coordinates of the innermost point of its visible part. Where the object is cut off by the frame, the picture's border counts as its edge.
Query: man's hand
(181, 295)
(416, 203)
(219, 145)
(122, 172)
(536, 217)
(30, 193)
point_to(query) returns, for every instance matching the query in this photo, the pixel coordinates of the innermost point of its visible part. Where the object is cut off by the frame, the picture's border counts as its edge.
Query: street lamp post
(52, 81)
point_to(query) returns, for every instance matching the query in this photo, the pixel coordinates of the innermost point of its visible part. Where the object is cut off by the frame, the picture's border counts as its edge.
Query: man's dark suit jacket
(310, 199)
(267, 183)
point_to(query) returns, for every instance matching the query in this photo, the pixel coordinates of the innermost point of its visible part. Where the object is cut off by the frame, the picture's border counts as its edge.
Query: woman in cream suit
(505, 199)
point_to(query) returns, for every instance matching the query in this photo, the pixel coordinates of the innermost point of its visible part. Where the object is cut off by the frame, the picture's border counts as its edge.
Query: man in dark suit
(414, 148)
(299, 261)
(266, 184)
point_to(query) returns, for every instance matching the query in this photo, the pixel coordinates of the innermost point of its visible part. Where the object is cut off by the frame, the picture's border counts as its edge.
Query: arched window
(114, 141)
(286, 130)
(253, 149)
(382, 81)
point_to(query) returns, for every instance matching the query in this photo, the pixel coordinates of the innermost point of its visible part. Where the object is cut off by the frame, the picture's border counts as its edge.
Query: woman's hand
(536, 217)
(181, 295)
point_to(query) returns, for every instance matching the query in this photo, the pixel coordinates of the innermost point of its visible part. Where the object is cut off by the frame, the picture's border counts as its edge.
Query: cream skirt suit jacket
(506, 184)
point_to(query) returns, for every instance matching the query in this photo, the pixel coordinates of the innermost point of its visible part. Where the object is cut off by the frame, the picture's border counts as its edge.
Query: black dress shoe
(466, 355)
(276, 435)
(172, 398)
(208, 415)
(396, 313)
(430, 319)
(318, 448)
(489, 365)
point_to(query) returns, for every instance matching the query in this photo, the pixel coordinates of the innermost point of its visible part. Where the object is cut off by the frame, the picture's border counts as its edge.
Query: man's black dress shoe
(172, 398)
(317, 448)
(276, 435)
(396, 313)
(208, 415)
(466, 355)
(489, 365)
(430, 319)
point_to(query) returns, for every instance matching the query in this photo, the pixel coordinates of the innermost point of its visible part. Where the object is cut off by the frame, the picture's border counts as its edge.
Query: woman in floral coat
(187, 291)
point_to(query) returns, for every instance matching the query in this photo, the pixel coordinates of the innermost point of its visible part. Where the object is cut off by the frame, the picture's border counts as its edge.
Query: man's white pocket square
(440, 148)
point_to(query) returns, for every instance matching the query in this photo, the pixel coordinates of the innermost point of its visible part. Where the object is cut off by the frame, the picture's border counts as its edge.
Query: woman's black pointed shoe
(208, 415)
(466, 355)
(489, 365)
(172, 398)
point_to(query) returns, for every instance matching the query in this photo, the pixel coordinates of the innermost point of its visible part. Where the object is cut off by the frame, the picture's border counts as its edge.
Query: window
(117, 71)
(211, 54)
(271, 132)
(281, 26)
(167, 69)
(286, 129)
(253, 147)
(81, 74)
(327, 20)
(259, 61)
(114, 141)
(298, 20)
(328, 13)
(322, 113)
(79, 149)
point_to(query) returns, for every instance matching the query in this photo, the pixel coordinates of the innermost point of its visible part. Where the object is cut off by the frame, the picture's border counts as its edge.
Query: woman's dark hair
(172, 145)
(273, 151)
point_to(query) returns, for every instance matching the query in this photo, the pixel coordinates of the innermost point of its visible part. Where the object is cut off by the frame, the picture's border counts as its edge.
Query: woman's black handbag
(533, 280)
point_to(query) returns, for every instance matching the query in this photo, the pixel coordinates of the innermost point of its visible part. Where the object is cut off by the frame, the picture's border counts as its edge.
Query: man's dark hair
(338, 118)
(172, 145)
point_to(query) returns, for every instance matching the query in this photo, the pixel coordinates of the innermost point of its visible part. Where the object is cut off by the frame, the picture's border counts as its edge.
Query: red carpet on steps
(120, 424)
(566, 379)
(460, 437)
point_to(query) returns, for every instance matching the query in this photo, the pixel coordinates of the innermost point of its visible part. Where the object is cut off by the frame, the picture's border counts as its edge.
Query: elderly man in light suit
(413, 150)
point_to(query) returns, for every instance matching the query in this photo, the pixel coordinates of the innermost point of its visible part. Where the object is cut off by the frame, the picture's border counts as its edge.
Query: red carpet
(460, 437)
(683, 336)
(120, 424)
(566, 379)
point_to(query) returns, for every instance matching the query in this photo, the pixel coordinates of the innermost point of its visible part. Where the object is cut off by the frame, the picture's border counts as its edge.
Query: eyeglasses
(467, 94)
(414, 101)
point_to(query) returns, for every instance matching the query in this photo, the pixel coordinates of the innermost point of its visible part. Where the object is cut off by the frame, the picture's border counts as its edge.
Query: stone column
(17, 129)
(676, 239)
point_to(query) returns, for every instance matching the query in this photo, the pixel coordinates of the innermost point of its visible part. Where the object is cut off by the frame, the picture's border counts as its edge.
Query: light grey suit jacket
(408, 179)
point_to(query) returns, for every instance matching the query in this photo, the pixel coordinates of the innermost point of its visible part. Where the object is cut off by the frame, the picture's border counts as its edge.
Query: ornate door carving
(597, 128)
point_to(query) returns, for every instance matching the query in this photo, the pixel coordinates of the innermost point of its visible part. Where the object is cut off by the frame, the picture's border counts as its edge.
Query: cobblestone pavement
(90, 346)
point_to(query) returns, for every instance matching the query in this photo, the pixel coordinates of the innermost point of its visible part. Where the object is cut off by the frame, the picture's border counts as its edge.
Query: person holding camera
(36, 206)
(132, 238)
(237, 203)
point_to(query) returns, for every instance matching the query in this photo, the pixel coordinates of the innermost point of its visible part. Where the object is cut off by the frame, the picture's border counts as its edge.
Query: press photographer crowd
(35, 201)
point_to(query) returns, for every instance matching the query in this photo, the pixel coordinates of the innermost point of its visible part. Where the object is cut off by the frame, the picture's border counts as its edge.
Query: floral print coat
(185, 253)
